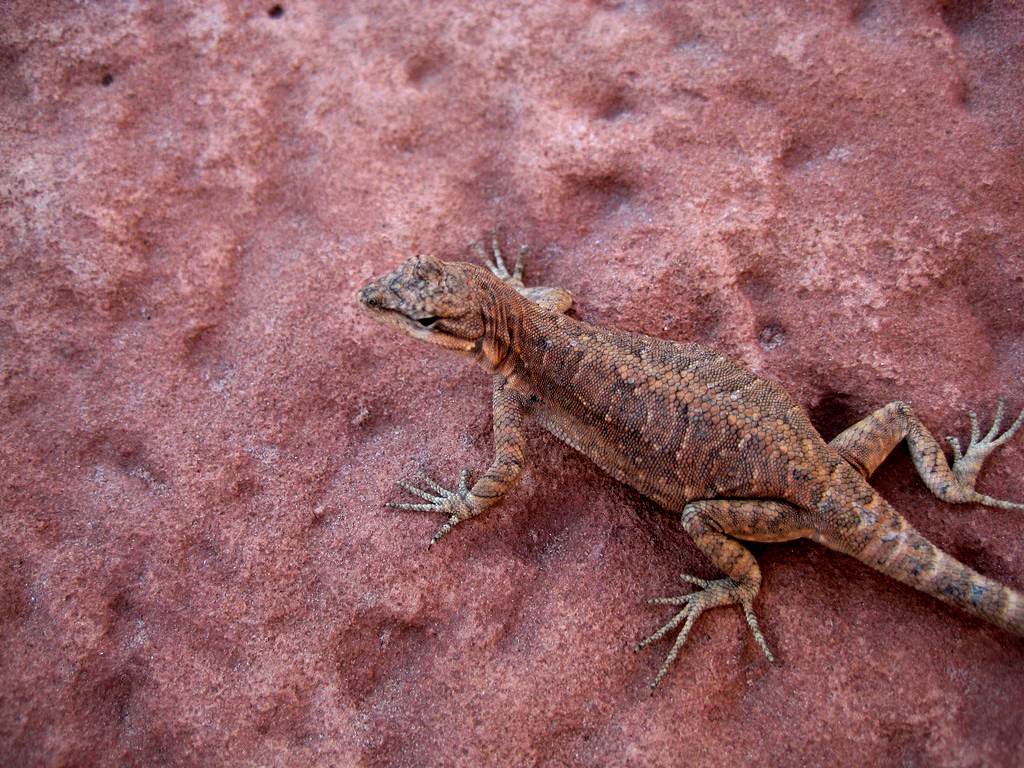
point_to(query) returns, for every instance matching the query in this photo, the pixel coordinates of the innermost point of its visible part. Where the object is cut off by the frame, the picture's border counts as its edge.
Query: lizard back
(676, 421)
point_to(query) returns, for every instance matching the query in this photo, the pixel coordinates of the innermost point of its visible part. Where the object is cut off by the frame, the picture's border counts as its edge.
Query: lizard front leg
(714, 525)
(866, 444)
(510, 450)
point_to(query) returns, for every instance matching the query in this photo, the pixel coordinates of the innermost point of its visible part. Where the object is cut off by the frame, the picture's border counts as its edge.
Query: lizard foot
(554, 299)
(967, 464)
(710, 595)
(497, 263)
(453, 503)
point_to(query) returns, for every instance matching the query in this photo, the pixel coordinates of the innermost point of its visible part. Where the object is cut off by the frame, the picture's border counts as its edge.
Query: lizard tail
(886, 541)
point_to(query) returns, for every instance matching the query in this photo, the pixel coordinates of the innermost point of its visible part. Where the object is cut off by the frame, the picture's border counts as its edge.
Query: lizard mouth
(429, 328)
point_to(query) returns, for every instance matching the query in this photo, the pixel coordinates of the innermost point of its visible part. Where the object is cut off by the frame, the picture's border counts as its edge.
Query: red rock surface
(199, 428)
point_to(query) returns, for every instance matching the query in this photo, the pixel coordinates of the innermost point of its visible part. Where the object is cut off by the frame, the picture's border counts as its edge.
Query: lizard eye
(427, 322)
(369, 298)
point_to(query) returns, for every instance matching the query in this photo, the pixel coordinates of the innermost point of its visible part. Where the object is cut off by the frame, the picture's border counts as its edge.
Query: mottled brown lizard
(728, 450)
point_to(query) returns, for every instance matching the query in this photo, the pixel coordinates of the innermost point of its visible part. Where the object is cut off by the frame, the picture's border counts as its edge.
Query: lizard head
(429, 300)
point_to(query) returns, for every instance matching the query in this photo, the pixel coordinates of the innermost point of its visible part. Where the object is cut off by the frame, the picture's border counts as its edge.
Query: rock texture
(199, 429)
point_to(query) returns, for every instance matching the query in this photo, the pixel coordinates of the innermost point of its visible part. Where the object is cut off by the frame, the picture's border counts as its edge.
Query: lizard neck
(507, 317)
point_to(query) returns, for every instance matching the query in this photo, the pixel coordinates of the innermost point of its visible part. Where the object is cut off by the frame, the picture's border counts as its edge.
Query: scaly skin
(729, 451)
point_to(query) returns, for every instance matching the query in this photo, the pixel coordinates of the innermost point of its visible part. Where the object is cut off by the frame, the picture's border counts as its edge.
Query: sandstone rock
(199, 428)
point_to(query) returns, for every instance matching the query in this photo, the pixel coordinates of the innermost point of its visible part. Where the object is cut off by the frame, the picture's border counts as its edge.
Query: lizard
(703, 437)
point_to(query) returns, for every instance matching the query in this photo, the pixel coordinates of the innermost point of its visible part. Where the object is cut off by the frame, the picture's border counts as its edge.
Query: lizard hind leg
(866, 444)
(715, 525)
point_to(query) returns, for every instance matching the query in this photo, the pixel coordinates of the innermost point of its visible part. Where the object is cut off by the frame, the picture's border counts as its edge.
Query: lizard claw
(967, 464)
(710, 595)
(454, 503)
(450, 523)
